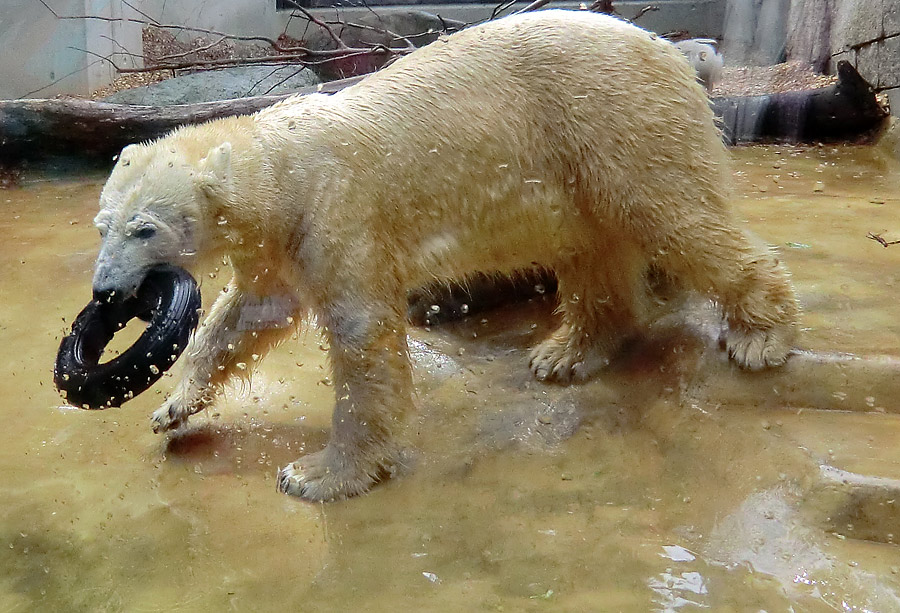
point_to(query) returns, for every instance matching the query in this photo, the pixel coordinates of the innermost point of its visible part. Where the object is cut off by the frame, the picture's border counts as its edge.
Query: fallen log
(844, 110)
(38, 129)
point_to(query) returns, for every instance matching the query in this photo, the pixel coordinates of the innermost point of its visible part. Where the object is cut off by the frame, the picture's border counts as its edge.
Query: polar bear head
(153, 211)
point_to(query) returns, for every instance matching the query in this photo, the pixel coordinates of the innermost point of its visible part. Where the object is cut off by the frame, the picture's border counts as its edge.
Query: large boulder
(224, 84)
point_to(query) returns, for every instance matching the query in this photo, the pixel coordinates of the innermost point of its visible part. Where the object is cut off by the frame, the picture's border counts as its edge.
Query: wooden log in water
(37, 129)
(844, 110)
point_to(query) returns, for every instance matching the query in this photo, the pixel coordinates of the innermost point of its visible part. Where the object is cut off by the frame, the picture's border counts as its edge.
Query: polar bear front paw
(168, 417)
(318, 477)
(758, 349)
(554, 360)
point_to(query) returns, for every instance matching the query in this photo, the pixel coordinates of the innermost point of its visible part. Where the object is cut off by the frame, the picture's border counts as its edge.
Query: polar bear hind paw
(758, 349)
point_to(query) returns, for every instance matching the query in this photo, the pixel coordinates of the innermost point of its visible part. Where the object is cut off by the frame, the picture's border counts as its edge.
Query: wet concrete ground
(674, 482)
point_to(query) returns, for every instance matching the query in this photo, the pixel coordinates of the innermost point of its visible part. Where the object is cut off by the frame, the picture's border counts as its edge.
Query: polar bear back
(531, 114)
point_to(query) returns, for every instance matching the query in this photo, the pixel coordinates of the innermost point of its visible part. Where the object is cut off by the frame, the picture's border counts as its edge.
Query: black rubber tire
(443, 302)
(169, 300)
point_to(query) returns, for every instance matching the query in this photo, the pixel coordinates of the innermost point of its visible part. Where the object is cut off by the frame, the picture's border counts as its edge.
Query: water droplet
(431, 577)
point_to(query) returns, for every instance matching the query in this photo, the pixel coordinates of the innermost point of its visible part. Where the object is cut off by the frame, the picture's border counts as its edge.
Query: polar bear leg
(751, 285)
(241, 328)
(373, 388)
(602, 302)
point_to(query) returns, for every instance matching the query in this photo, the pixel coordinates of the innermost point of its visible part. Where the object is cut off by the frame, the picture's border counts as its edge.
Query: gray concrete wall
(41, 56)
(754, 32)
(867, 34)
(237, 17)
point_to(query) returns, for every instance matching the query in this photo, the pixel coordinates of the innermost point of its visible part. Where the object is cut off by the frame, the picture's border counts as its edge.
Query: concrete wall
(754, 32)
(42, 56)
(237, 17)
(867, 33)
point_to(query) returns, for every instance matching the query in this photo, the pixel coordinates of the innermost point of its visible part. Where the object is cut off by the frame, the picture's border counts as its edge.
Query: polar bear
(564, 138)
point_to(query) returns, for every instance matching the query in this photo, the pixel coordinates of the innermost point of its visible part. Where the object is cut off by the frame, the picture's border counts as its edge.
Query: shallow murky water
(674, 482)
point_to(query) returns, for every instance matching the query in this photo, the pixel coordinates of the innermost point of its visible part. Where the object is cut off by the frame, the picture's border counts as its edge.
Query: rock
(224, 84)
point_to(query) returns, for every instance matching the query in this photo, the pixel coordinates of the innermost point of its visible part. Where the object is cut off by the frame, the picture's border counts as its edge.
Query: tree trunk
(809, 32)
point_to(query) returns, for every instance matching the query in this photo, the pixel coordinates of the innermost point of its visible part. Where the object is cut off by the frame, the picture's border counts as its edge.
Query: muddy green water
(671, 483)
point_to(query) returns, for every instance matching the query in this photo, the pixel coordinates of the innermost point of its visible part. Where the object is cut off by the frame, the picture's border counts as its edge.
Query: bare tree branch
(602, 6)
(327, 55)
(301, 55)
(181, 28)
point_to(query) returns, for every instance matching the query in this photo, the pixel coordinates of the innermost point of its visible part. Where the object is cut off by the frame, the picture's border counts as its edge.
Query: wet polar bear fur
(569, 139)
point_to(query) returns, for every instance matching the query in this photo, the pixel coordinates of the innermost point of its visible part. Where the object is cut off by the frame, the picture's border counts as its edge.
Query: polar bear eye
(144, 232)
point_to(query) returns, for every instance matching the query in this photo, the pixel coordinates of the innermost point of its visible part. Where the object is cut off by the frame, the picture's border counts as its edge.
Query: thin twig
(881, 241)
(173, 56)
(140, 12)
(337, 39)
(647, 9)
(264, 39)
(62, 78)
(326, 56)
(273, 71)
(124, 50)
(397, 37)
(500, 8)
(533, 6)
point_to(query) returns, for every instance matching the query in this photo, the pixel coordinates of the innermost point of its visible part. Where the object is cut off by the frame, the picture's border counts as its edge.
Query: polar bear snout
(113, 281)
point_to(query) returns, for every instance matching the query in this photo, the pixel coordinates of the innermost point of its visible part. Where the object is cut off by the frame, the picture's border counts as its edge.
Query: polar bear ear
(215, 170)
(124, 157)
